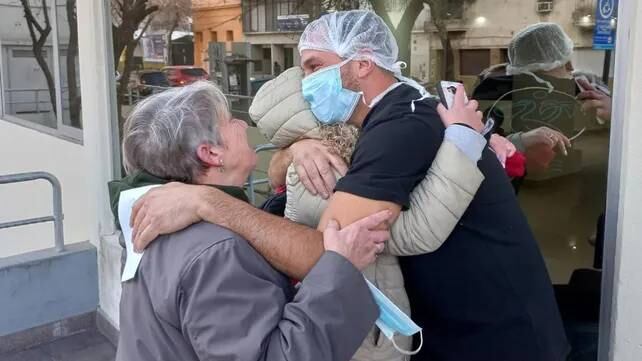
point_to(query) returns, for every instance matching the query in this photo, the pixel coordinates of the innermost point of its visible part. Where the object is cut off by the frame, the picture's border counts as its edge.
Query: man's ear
(211, 156)
(569, 66)
(365, 67)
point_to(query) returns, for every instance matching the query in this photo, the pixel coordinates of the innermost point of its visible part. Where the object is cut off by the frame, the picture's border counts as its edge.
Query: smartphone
(596, 86)
(579, 84)
(447, 90)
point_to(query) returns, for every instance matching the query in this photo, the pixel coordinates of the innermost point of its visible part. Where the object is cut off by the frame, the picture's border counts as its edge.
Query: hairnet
(542, 46)
(356, 34)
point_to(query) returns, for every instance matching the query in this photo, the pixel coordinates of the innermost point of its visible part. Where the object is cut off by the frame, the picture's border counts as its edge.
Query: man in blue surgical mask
(485, 294)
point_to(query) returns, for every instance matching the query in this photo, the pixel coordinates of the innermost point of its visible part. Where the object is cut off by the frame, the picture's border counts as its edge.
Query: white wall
(13, 27)
(96, 79)
(627, 311)
(26, 150)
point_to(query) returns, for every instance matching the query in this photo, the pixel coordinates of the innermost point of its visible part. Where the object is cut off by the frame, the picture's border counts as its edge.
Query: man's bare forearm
(289, 247)
(278, 168)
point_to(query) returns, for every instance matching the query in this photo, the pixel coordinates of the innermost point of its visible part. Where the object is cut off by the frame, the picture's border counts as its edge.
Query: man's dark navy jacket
(485, 295)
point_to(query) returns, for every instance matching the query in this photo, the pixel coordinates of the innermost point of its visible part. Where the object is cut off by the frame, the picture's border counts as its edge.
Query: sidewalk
(85, 346)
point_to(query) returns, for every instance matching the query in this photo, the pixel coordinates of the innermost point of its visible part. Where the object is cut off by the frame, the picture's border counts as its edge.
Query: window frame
(62, 131)
(621, 57)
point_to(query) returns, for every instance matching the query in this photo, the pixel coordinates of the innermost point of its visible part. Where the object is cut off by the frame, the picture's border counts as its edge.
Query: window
(69, 67)
(229, 35)
(473, 61)
(213, 37)
(503, 55)
(562, 193)
(41, 85)
(288, 58)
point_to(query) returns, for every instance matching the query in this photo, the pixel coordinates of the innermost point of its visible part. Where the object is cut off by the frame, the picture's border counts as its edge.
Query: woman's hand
(594, 100)
(547, 136)
(164, 210)
(462, 112)
(359, 242)
(315, 165)
(502, 147)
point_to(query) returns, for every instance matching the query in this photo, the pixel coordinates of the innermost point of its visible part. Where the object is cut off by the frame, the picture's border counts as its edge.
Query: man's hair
(163, 132)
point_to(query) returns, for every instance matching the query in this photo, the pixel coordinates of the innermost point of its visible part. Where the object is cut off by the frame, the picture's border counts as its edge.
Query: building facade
(480, 32)
(273, 27)
(217, 21)
(85, 160)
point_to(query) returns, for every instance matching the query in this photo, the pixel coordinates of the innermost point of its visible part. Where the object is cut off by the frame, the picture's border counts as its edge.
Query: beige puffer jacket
(436, 204)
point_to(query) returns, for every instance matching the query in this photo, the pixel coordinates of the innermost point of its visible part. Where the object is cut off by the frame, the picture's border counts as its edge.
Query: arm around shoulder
(436, 204)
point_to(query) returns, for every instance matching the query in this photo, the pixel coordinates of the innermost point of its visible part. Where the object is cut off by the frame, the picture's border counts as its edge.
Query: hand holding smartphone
(447, 91)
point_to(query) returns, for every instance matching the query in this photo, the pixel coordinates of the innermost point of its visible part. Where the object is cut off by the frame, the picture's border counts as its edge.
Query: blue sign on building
(605, 20)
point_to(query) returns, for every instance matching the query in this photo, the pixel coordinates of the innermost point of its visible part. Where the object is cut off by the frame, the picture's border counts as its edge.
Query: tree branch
(142, 31)
(410, 15)
(31, 19)
(379, 8)
(46, 11)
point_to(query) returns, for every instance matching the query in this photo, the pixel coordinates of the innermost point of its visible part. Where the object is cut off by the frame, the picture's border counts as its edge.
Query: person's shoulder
(404, 114)
(172, 253)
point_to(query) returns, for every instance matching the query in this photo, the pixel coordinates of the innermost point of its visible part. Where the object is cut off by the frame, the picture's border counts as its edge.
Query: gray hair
(163, 132)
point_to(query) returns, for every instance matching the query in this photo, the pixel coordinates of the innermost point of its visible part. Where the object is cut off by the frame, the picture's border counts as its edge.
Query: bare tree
(402, 32)
(39, 34)
(172, 15)
(440, 14)
(72, 55)
(128, 16)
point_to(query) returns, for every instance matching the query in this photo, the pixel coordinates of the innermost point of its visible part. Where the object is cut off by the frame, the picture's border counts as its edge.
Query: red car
(184, 75)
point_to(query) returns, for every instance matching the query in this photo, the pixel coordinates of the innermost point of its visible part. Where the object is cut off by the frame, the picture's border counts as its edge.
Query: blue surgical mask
(330, 102)
(393, 321)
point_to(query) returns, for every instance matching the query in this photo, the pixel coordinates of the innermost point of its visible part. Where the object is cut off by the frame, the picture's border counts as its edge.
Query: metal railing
(251, 182)
(36, 98)
(57, 217)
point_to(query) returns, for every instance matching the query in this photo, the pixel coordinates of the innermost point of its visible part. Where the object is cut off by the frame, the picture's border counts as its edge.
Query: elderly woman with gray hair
(204, 293)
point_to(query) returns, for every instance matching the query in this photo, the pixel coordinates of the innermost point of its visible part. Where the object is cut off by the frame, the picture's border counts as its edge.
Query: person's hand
(359, 242)
(462, 112)
(502, 147)
(163, 210)
(595, 101)
(548, 136)
(314, 164)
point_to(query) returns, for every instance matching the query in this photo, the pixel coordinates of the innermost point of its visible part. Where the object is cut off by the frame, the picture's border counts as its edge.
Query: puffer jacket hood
(281, 113)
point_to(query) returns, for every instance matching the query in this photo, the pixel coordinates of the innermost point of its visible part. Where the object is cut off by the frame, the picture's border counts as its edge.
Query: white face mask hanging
(393, 321)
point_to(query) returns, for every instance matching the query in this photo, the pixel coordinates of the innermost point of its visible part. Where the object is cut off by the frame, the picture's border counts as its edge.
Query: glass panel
(562, 192)
(27, 61)
(473, 61)
(68, 57)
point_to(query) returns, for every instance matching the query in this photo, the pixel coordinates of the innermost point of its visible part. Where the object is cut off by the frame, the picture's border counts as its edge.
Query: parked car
(184, 74)
(145, 80)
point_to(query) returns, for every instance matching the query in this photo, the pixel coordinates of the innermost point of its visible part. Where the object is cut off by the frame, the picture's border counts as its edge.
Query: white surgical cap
(539, 47)
(356, 34)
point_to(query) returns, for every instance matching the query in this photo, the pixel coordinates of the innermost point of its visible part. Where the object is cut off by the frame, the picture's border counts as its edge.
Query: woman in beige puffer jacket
(436, 204)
